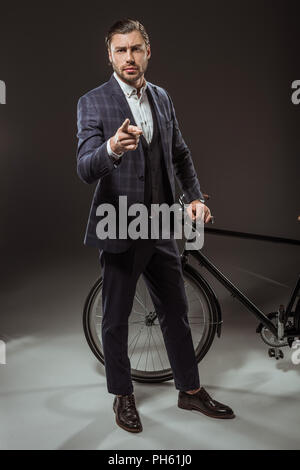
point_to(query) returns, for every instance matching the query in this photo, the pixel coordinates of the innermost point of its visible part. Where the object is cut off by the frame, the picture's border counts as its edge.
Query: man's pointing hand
(124, 127)
(126, 138)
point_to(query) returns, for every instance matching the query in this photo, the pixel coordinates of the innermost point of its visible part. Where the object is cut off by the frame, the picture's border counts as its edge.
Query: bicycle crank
(278, 319)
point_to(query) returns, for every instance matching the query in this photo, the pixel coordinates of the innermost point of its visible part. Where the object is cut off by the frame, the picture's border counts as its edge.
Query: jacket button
(141, 177)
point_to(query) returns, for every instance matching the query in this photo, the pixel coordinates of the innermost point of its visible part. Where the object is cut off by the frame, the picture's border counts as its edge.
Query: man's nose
(129, 56)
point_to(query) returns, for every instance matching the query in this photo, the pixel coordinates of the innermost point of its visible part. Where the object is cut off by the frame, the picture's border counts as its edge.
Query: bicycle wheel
(146, 348)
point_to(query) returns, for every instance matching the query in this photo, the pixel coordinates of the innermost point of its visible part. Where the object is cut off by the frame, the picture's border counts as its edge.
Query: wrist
(115, 148)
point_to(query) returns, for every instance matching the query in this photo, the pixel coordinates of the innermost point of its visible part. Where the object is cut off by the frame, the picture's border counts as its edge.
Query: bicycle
(146, 349)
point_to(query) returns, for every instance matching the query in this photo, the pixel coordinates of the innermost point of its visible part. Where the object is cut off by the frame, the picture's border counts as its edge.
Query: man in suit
(130, 144)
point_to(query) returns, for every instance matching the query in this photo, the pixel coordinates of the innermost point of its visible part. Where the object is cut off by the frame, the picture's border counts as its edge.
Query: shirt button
(141, 177)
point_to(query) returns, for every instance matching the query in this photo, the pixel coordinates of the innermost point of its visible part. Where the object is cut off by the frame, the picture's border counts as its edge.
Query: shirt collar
(129, 90)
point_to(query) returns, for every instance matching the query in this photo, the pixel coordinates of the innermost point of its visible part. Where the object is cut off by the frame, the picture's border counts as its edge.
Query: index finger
(124, 126)
(134, 130)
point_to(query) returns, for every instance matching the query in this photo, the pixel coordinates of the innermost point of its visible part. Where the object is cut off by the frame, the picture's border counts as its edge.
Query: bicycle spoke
(143, 349)
(139, 313)
(157, 349)
(159, 337)
(140, 302)
(149, 336)
(151, 350)
(136, 336)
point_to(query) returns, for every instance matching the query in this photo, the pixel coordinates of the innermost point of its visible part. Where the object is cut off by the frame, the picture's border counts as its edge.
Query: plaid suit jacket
(100, 112)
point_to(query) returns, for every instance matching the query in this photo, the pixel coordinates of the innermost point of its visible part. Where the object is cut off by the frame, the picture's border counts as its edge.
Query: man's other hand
(126, 138)
(196, 209)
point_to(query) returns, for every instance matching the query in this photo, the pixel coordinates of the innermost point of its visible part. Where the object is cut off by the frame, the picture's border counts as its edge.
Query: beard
(131, 79)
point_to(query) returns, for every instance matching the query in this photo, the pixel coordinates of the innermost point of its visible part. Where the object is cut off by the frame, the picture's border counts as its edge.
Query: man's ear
(109, 55)
(148, 52)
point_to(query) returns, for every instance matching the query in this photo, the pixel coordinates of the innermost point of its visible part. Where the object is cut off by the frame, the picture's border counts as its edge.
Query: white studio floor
(53, 391)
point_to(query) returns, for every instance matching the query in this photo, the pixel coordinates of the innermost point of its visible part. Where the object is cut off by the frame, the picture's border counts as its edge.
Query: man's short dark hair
(126, 26)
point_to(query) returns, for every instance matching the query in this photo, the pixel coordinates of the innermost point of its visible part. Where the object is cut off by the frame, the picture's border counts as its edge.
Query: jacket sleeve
(183, 163)
(93, 160)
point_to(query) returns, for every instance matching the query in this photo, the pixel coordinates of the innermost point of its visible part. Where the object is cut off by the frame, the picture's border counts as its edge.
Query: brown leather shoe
(202, 401)
(127, 416)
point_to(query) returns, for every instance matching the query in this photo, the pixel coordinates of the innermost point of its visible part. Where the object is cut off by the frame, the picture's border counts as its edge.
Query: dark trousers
(159, 262)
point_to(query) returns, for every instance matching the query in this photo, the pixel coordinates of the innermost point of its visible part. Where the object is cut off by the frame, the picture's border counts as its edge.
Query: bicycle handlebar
(206, 197)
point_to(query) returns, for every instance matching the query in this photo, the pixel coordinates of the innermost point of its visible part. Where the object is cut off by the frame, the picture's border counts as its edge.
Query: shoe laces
(204, 393)
(130, 400)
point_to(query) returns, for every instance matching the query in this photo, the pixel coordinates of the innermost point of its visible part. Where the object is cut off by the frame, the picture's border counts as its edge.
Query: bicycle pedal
(277, 354)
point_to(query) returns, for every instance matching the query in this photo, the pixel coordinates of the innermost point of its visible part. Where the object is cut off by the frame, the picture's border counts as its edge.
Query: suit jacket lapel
(160, 120)
(119, 97)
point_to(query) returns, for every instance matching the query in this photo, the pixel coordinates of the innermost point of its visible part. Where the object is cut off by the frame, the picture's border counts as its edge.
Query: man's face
(129, 56)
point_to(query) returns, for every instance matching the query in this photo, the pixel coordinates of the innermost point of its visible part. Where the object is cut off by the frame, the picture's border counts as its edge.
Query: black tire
(192, 278)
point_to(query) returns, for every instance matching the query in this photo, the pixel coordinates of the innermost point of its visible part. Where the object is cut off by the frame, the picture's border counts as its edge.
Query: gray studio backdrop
(228, 67)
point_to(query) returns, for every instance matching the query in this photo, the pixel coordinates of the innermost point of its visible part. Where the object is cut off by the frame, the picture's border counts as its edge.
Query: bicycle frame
(294, 295)
(204, 261)
(235, 292)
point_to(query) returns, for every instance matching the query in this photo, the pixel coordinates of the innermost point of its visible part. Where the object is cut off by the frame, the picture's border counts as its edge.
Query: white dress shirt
(140, 108)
